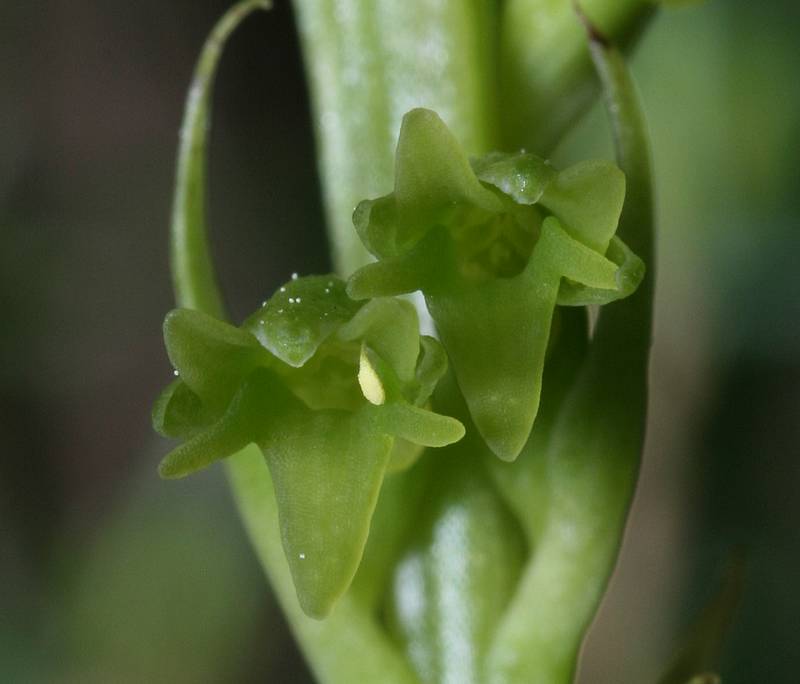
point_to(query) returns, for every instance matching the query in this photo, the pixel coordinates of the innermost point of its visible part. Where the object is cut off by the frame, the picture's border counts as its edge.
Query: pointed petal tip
(505, 451)
(504, 441)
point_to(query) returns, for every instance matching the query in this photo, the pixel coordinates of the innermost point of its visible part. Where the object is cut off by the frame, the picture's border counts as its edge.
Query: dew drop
(176, 372)
(283, 289)
(302, 556)
(294, 276)
(297, 300)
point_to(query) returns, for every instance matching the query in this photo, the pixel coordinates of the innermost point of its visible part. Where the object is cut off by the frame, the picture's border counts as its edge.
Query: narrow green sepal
(432, 174)
(418, 425)
(255, 408)
(629, 274)
(401, 274)
(496, 336)
(212, 357)
(327, 468)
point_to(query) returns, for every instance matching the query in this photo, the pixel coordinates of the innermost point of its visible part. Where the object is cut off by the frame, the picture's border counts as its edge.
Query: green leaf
(300, 316)
(212, 357)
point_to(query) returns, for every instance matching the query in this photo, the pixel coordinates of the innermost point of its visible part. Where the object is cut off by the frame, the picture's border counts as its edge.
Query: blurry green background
(108, 574)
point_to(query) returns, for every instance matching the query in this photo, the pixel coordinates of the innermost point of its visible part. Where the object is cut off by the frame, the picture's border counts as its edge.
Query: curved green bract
(192, 271)
(368, 373)
(494, 246)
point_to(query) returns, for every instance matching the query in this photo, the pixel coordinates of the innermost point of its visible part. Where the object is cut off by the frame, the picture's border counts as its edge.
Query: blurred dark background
(108, 574)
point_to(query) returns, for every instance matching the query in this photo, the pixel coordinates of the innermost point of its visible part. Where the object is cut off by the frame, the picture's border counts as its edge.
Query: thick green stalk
(368, 64)
(592, 461)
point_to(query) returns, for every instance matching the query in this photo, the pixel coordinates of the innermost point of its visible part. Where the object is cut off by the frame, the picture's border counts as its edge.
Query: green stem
(592, 461)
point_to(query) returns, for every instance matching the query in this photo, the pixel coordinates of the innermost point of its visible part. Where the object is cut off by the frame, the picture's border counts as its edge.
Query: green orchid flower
(332, 390)
(494, 246)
